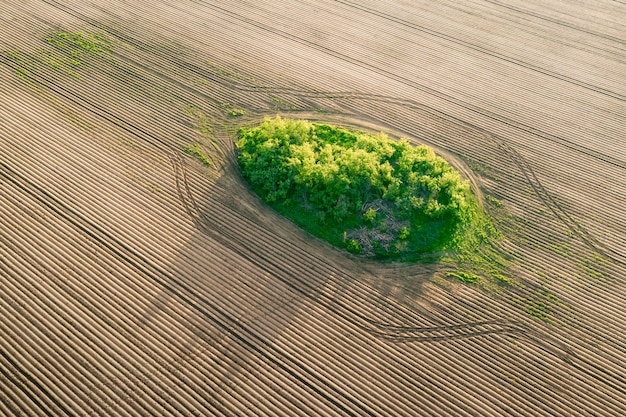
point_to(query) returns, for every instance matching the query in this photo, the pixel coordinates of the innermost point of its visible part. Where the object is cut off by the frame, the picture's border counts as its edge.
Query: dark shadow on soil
(247, 272)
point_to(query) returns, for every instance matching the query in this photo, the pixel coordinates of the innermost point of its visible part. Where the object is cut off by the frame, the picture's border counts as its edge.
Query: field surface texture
(140, 275)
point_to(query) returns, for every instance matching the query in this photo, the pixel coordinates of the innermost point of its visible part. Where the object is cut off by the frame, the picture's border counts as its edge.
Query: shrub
(369, 215)
(353, 246)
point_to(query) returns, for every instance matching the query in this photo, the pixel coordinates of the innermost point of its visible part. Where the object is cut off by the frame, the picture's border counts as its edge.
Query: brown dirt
(134, 280)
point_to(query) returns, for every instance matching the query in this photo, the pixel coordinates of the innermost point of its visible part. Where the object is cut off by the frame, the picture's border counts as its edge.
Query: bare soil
(135, 280)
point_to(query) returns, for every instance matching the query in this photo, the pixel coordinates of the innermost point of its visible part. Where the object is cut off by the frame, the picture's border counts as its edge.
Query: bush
(321, 176)
(370, 215)
(353, 246)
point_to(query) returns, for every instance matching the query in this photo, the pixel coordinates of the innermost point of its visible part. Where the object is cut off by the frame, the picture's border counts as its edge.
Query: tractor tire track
(176, 288)
(317, 288)
(203, 222)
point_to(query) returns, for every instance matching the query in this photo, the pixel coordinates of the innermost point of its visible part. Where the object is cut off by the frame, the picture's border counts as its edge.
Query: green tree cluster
(331, 173)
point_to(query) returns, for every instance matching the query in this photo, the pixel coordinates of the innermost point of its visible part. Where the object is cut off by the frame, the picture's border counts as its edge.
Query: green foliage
(539, 309)
(236, 112)
(79, 43)
(493, 200)
(502, 278)
(23, 65)
(66, 52)
(322, 176)
(22, 72)
(279, 104)
(196, 151)
(233, 111)
(353, 246)
(370, 215)
(475, 252)
(71, 50)
(466, 277)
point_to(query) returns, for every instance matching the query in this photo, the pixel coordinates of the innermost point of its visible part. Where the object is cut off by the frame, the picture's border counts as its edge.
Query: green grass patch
(494, 201)
(366, 193)
(236, 112)
(196, 150)
(79, 44)
(200, 120)
(541, 310)
(279, 104)
(65, 53)
(538, 300)
(233, 111)
(71, 51)
(594, 266)
(466, 277)
(23, 65)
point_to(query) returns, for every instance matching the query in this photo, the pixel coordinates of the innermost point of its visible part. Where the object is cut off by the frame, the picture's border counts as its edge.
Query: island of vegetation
(366, 193)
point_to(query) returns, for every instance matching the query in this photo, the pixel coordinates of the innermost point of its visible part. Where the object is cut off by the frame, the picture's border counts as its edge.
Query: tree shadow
(246, 276)
(258, 292)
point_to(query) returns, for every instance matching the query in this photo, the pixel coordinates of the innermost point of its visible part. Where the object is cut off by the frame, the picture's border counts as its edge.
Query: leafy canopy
(389, 197)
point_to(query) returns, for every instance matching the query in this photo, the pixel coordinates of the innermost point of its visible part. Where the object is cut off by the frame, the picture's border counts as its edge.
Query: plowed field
(136, 280)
